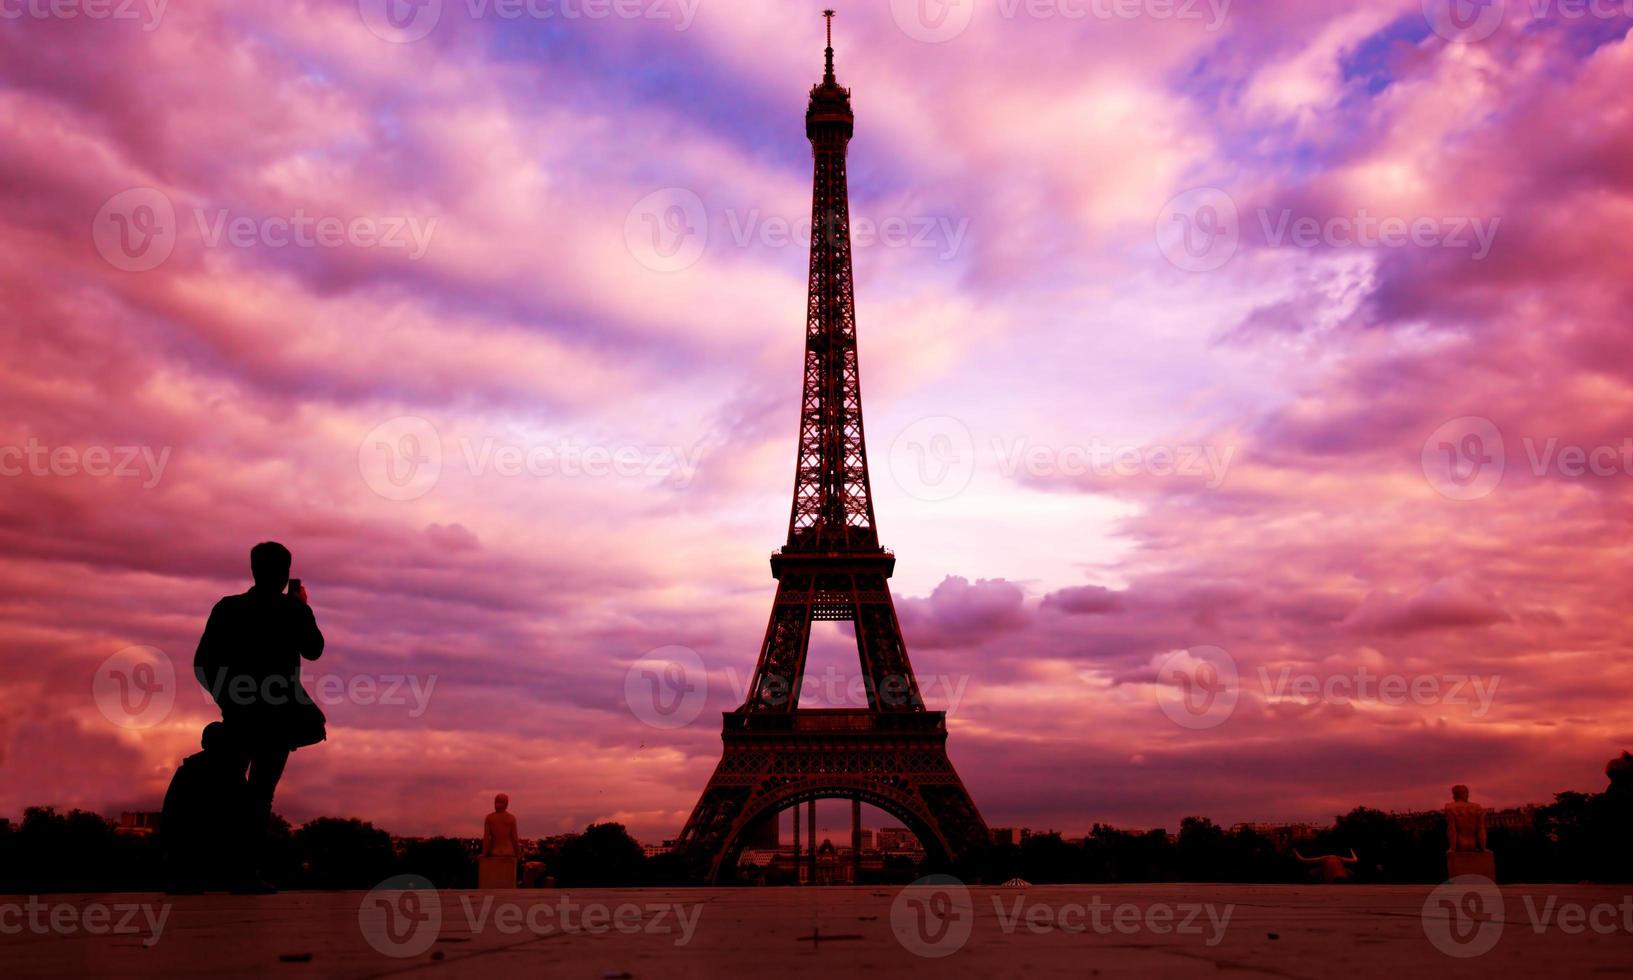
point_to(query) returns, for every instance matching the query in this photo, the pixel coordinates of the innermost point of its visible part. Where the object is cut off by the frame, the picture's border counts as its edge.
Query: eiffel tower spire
(892, 751)
(833, 502)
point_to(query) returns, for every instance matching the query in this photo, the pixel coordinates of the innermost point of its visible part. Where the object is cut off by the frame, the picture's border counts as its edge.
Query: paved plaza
(1074, 930)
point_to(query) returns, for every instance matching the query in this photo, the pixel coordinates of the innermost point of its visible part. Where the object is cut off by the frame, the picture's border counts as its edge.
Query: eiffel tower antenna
(829, 76)
(892, 751)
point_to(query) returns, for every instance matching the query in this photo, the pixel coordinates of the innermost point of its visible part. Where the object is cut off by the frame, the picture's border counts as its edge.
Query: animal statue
(1329, 868)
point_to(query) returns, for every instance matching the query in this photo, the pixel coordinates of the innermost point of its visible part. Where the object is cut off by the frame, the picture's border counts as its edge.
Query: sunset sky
(1183, 327)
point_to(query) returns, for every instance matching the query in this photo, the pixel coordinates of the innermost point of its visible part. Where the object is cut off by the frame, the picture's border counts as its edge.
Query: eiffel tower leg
(810, 861)
(856, 840)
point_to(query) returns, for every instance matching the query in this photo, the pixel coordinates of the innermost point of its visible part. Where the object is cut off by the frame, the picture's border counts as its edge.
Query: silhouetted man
(201, 827)
(249, 660)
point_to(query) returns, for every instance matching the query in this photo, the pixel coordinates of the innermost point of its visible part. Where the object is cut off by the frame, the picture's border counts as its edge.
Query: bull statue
(1329, 868)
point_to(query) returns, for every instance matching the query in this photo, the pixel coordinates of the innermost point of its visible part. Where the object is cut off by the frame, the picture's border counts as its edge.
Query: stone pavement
(1068, 930)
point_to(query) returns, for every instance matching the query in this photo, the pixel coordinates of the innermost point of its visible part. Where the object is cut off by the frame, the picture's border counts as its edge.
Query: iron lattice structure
(892, 753)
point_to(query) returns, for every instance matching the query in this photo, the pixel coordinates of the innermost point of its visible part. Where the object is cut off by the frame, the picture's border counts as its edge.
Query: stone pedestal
(1482, 863)
(496, 873)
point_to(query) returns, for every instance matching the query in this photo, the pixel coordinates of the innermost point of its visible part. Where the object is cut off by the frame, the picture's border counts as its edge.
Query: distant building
(1418, 821)
(898, 840)
(1010, 836)
(138, 822)
(1283, 835)
(1513, 818)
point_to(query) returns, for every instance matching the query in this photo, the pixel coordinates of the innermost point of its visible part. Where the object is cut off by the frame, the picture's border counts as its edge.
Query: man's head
(269, 562)
(1460, 793)
(215, 737)
(501, 803)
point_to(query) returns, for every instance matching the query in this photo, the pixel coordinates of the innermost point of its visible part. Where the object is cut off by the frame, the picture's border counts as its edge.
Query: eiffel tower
(893, 753)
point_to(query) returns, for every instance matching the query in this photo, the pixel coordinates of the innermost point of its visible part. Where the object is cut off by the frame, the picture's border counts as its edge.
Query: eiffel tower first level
(891, 754)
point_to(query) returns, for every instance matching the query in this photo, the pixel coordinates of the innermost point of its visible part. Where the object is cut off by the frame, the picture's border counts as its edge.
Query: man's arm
(309, 639)
(210, 660)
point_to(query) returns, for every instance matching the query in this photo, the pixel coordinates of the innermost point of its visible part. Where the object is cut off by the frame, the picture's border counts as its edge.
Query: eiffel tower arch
(891, 754)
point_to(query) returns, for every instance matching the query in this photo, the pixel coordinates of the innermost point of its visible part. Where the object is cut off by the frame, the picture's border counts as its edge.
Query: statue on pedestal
(1466, 852)
(501, 847)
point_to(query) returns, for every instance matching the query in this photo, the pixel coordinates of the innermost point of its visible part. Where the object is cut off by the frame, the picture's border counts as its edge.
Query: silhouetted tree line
(1579, 837)
(83, 852)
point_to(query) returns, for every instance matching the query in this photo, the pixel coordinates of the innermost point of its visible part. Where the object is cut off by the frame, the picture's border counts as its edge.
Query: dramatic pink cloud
(1178, 334)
